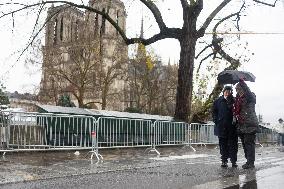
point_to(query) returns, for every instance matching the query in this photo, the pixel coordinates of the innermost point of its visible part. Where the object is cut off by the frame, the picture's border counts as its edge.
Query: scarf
(237, 108)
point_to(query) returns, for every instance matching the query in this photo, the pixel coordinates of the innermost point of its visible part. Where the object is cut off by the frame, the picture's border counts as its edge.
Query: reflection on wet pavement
(186, 165)
(262, 179)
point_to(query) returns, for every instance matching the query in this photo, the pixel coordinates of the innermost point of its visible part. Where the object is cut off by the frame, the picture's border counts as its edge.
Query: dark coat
(222, 114)
(248, 122)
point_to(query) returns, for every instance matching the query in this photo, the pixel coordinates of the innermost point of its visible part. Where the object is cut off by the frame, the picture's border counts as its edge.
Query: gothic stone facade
(84, 56)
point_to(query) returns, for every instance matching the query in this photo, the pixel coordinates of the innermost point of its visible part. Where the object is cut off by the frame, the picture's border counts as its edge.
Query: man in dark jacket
(224, 128)
(247, 123)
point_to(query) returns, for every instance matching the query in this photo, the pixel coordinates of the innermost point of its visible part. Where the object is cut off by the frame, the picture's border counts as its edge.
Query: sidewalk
(16, 167)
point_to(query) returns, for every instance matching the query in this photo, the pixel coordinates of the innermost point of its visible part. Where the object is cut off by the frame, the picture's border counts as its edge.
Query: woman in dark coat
(223, 116)
(247, 123)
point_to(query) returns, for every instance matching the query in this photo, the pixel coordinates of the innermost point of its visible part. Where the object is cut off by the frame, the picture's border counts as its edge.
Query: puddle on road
(251, 179)
(49, 158)
(40, 158)
(119, 155)
(247, 185)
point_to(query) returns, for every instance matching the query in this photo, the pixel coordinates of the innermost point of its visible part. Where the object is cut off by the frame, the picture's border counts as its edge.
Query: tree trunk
(81, 98)
(104, 96)
(185, 71)
(103, 102)
(80, 102)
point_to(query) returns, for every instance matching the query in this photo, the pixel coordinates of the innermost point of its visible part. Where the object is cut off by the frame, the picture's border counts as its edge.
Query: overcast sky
(266, 64)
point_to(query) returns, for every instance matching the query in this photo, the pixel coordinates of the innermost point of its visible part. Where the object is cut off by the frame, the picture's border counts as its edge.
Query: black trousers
(228, 148)
(248, 142)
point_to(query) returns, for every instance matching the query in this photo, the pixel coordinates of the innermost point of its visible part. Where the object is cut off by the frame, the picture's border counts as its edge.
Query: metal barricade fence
(267, 136)
(37, 131)
(3, 130)
(69, 131)
(203, 134)
(123, 132)
(27, 131)
(165, 133)
(170, 133)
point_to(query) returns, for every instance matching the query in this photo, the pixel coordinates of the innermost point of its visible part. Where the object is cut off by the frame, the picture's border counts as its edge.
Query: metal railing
(123, 132)
(268, 136)
(203, 134)
(20, 131)
(47, 131)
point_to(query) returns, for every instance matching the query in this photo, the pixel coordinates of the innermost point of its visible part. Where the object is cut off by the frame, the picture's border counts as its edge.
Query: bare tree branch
(164, 33)
(204, 112)
(216, 40)
(268, 4)
(33, 37)
(208, 46)
(184, 4)
(37, 19)
(201, 31)
(156, 12)
(13, 23)
(199, 4)
(205, 58)
(20, 9)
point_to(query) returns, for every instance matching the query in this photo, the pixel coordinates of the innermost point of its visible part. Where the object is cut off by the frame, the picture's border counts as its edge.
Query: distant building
(26, 101)
(69, 31)
(26, 105)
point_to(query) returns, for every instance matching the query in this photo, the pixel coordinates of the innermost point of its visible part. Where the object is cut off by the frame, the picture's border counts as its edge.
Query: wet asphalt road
(133, 169)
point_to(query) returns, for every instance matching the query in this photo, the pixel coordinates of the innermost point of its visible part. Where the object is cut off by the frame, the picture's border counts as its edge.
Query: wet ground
(176, 167)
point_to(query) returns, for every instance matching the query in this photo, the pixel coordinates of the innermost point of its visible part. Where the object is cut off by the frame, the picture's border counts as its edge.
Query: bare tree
(111, 77)
(73, 70)
(187, 37)
(148, 82)
(165, 105)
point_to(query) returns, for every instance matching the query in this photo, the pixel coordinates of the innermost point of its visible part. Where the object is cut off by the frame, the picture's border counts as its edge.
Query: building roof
(133, 115)
(64, 110)
(103, 113)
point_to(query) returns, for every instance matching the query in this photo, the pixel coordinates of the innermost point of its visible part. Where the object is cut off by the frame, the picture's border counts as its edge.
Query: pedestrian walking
(247, 123)
(224, 128)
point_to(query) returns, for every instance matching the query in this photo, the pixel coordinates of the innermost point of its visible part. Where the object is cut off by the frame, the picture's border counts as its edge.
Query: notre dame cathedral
(84, 56)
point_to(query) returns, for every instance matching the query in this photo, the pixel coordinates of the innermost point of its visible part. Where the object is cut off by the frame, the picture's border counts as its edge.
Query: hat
(227, 88)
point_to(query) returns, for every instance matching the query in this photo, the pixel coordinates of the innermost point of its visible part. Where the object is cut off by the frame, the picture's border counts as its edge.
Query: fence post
(3, 132)
(94, 138)
(188, 138)
(153, 140)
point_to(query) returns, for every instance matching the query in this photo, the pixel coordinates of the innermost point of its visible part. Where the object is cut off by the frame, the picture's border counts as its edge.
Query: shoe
(248, 166)
(224, 164)
(234, 165)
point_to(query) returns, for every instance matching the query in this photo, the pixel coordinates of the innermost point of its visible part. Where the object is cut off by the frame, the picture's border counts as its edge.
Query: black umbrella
(234, 76)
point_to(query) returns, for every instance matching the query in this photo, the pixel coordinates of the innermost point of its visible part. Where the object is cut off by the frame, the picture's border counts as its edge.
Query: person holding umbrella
(243, 111)
(224, 128)
(247, 123)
